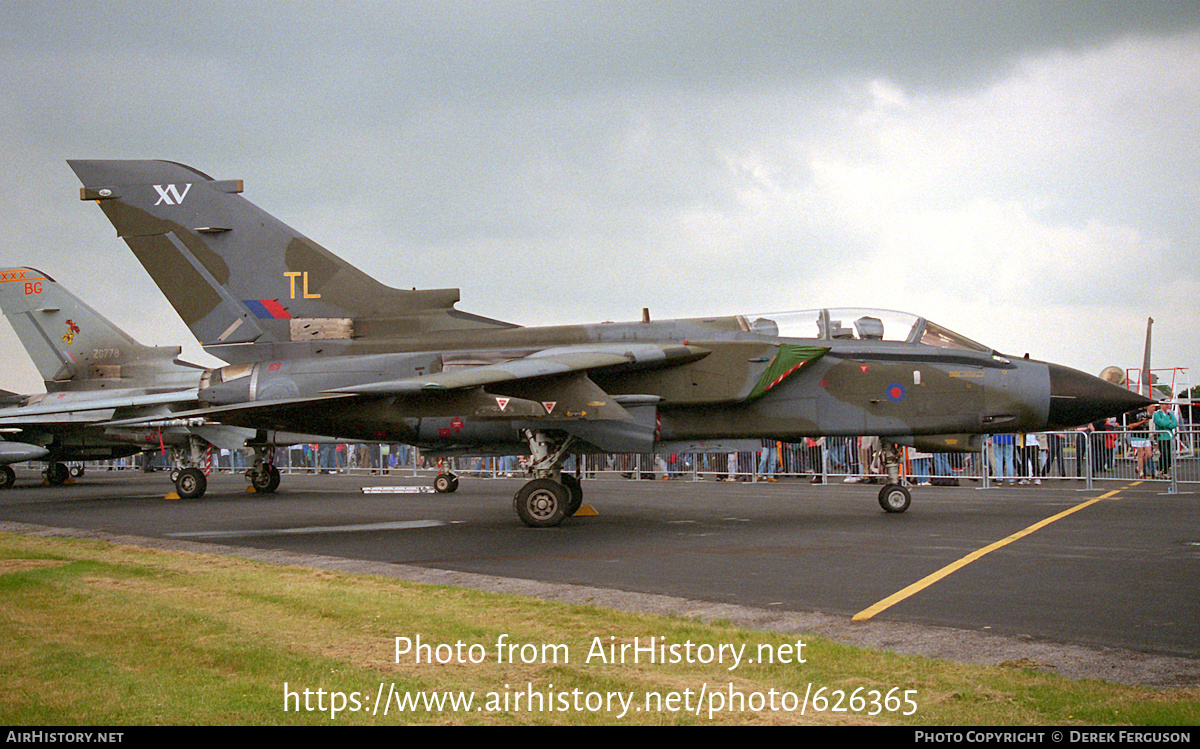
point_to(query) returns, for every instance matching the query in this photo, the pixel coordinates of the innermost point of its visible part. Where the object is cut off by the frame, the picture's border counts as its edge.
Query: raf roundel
(895, 392)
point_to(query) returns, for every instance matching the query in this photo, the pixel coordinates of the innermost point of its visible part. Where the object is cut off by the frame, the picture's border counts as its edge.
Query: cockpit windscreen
(851, 324)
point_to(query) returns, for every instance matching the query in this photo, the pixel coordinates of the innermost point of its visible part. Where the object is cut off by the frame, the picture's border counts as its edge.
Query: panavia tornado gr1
(95, 373)
(316, 345)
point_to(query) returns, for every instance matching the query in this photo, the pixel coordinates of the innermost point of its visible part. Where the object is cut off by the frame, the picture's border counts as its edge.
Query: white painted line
(389, 526)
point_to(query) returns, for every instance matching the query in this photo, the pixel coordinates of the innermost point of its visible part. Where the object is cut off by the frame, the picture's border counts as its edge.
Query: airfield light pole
(1146, 387)
(985, 456)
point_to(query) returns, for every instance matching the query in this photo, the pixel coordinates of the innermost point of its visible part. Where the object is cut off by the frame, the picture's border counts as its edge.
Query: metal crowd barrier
(1087, 456)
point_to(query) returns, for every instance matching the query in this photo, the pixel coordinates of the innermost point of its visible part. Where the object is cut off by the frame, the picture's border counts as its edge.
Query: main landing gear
(445, 482)
(893, 497)
(190, 464)
(263, 476)
(190, 483)
(56, 474)
(551, 496)
(189, 471)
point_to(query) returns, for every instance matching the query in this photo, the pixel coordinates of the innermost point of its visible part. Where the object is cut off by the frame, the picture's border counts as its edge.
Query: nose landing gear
(894, 497)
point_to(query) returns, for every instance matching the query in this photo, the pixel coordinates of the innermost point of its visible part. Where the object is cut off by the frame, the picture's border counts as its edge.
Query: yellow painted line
(928, 580)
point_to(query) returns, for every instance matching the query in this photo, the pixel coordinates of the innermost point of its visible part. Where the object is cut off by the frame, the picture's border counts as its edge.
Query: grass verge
(101, 634)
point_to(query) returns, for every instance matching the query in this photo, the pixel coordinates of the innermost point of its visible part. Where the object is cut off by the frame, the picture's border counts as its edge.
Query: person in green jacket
(1165, 425)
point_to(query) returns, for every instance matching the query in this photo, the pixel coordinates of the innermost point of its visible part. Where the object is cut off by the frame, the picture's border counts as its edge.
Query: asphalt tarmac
(1115, 568)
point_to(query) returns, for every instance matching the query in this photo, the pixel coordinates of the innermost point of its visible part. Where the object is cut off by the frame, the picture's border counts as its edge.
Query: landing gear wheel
(76, 471)
(542, 503)
(265, 481)
(445, 483)
(57, 474)
(894, 498)
(576, 494)
(191, 483)
(8, 477)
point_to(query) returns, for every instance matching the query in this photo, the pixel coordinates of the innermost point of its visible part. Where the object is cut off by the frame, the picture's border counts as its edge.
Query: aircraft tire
(265, 482)
(542, 503)
(445, 483)
(576, 493)
(8, 477)
(76, 471)
(191, 483)
(894, 498)
(57, 474)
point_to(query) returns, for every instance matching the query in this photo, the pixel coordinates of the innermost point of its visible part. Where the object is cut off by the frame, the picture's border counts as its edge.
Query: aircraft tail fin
(238, 276)
(72, 345)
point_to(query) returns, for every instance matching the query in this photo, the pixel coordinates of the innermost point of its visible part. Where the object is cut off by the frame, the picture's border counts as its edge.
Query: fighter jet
(90, 369)
(317, 345)
(94, 372)
(12, 451)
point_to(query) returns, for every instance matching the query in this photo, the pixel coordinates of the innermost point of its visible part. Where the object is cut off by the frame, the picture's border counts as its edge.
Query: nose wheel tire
(894, 498)
(542, 503)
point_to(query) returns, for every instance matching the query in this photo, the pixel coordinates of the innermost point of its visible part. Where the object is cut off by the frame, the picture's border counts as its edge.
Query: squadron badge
(72, 331)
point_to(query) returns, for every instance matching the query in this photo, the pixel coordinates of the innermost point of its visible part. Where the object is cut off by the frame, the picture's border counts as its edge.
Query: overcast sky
(1024, 173)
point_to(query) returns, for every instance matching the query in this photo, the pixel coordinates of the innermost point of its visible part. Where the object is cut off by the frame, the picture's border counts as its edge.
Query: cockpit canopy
(851, 324)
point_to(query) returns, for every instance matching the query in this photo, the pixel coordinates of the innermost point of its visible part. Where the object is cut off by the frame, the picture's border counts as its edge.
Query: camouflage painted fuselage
(849, 388)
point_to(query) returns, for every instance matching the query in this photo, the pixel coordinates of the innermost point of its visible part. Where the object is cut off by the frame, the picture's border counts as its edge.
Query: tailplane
(244, 282)
(73, 346)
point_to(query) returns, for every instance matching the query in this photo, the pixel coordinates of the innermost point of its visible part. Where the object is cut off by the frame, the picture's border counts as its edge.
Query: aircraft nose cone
(1077, 398)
